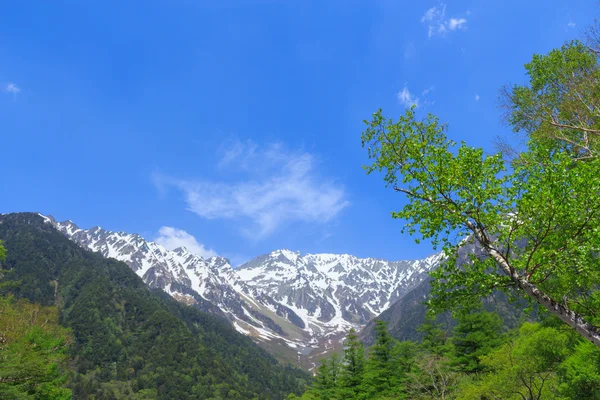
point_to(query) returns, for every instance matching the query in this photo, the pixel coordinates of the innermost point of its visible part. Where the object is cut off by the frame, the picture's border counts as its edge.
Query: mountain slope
(295, 305)
(127, 338)
(327, 294)
(408, 313)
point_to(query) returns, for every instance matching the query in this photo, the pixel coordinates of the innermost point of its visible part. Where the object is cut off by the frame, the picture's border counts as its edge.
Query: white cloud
(281, 187)
(12, 88)
(427, 91)
(476, 97)
(434, 13)
(407, 99)
(240, 153)
(571, 23)
(456, 23)
(438, 24)
(172, 238)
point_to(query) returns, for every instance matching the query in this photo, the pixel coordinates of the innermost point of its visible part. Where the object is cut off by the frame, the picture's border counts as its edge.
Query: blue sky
(234, 126)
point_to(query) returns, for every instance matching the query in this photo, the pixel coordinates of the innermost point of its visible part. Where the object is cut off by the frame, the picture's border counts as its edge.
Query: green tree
(535, 221)
(32, 352)
(404, 363)
(2, 252)
(379, 375)
(560, 106)
(354, 365)
(580, 373)
(327, 379)
(434, 338)
(475, 335)
(432, 378)
(524, 368)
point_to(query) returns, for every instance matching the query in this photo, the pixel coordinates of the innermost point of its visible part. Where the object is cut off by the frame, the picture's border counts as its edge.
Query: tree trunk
(568, 316)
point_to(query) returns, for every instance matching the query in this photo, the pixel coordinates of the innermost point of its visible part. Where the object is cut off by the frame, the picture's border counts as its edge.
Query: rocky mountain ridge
(305, 302)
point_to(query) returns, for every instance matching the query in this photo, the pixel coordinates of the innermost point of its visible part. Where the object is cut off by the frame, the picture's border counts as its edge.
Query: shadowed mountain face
(408, 313)
(300, 304)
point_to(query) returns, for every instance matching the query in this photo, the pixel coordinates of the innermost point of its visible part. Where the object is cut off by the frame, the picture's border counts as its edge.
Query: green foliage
(559, 107)
(32, 352)
(327, 380)
(537, 361)
(535, 222)
(129, 341)
(475, 335)
(434, 337)
(379, 374)
(2, 252)
(354, 365)
(580, 373)
(527, 229)
(523, 368)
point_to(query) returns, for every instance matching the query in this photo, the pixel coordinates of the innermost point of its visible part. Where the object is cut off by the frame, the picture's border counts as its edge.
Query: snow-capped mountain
(307, 302)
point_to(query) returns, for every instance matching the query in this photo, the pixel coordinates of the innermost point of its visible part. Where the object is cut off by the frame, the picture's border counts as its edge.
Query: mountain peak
(290, 255)
(181, 250)
(301, 301)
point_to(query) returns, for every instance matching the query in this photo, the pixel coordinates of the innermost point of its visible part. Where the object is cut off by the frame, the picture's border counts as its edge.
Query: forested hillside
(33, 351)
(127, 341)
(479, 360)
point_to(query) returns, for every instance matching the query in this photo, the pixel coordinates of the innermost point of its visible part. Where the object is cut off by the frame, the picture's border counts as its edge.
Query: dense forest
(479, 360)
(84, 324)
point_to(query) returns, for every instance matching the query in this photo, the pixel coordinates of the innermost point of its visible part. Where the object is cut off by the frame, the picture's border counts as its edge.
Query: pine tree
(434, 337)
(379, 373)
(476, 335)
(354, 365)
(403, 363)
(327, 378)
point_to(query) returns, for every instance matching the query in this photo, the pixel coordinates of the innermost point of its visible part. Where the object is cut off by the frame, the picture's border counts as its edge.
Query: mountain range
(297, 306)
(120, 339)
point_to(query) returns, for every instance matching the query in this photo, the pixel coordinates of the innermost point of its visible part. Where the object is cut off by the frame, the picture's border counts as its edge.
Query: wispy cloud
(456, 23)
(409, 99)
(438, 24)
(280, 186)
(172, 238)
(571, 24)
(476, 97)
(12, 88)
(427, 91)
(238, 152)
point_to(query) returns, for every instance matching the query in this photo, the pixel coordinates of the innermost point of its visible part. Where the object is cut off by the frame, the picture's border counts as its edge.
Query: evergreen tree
(327, 379)
(379, 374)
(354, 365)
(475, 335)
(403, 363)
(434, 337)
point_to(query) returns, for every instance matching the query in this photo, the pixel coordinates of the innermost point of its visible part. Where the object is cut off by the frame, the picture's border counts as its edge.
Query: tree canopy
(536, 220)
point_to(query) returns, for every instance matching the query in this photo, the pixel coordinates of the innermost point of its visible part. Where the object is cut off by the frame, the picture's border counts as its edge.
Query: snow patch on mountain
(303, 301)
